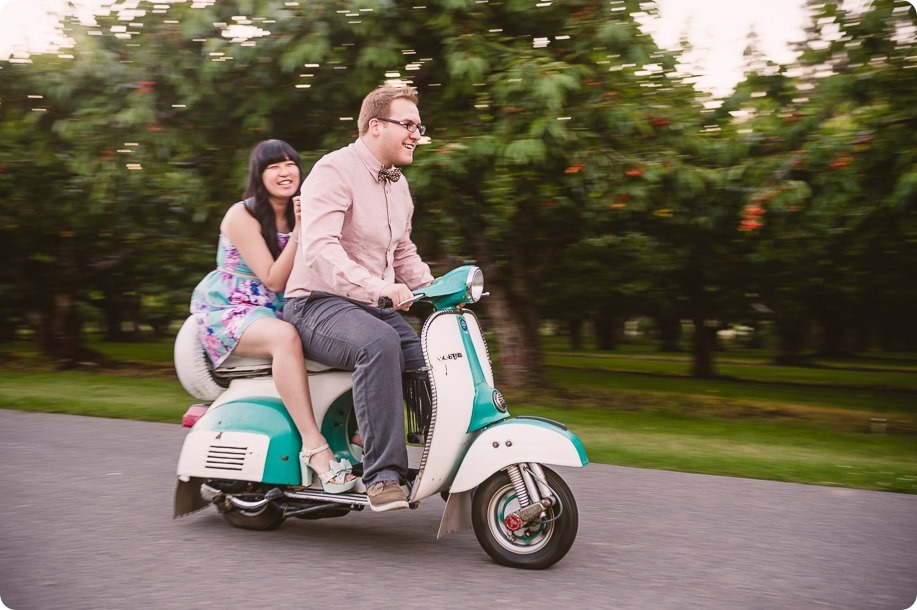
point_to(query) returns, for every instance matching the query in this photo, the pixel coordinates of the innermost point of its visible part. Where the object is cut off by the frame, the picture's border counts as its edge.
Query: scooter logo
(454, 356)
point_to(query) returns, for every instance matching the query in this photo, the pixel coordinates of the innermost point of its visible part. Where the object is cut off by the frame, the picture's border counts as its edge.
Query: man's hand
(398, 293)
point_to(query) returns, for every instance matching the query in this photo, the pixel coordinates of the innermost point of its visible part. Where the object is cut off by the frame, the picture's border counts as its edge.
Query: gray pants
(378, 345)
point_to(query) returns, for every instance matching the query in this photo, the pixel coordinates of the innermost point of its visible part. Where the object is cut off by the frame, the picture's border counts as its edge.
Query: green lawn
(633, 407)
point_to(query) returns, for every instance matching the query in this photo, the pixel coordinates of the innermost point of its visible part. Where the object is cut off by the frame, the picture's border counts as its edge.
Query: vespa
(241, 453)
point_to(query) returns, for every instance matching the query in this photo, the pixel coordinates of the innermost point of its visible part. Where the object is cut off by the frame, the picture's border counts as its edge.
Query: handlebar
(386, 303)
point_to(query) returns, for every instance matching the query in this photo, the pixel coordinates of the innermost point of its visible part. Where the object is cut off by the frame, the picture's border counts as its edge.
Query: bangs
(273, 151)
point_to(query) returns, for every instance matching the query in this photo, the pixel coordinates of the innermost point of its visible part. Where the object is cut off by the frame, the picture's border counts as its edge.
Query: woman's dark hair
(264, 154)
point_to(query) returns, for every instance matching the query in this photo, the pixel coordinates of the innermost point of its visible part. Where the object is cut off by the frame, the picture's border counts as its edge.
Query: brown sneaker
(386, 495)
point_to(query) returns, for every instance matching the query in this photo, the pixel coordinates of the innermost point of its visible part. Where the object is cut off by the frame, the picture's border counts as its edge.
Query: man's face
(396, 143)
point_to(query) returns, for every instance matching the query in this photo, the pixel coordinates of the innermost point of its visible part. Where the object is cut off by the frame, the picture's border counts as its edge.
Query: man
(356, 248)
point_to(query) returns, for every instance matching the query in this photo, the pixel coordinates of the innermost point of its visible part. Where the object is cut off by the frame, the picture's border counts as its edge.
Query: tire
(535, 548)
(192, 365)
(266, 518)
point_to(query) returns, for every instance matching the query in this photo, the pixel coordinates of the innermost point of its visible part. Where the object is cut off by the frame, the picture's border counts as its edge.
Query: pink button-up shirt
(356, 230)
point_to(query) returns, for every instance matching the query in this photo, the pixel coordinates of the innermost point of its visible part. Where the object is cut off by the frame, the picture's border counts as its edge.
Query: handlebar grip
(385, 303)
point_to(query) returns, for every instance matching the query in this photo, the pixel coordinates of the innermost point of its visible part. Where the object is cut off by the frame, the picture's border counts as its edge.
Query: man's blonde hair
(379, 102)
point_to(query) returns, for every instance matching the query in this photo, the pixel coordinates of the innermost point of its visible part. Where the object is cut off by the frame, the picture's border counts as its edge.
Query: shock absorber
(515, 477)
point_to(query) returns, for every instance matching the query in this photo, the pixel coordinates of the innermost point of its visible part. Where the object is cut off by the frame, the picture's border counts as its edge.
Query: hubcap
(525, 540)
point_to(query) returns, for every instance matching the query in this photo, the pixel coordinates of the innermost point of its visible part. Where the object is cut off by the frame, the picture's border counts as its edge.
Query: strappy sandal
(334, 481)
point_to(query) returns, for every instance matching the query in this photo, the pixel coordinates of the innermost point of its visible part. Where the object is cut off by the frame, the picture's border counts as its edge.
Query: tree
(839, 201)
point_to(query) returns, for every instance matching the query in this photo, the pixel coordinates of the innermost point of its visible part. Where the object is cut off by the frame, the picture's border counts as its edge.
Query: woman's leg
(350, 336)
(274, 338)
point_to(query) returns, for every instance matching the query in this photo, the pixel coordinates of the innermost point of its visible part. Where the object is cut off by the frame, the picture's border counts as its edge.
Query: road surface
(87, 524)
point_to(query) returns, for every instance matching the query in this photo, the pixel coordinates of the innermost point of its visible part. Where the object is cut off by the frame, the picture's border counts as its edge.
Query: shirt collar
(372, 164)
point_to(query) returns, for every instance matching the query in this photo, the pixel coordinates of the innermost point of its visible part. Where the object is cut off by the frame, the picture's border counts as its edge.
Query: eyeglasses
(409, 125)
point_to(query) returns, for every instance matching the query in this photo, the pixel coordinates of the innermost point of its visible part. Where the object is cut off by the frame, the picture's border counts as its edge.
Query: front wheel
(536, 546)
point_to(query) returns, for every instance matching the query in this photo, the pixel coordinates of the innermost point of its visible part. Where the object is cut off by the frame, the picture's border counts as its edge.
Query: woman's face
(281, 179)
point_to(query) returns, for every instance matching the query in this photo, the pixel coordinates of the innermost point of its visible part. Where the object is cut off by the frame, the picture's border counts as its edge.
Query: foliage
(565, 155)
(840, 233)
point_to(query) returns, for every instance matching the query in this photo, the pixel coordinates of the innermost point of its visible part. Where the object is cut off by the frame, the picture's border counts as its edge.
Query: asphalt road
(86, 523)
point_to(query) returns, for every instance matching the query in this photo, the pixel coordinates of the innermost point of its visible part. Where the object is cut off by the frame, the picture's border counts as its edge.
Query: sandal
(334, 481)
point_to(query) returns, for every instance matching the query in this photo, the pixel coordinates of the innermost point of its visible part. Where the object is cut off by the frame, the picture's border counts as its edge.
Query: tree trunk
(512, 316)
(607, 330)
(702, 345)
(833, 334)
(520, 363)
(669, 331)
(117, 309)
(575, 329)
(65, 343)
(792, 329)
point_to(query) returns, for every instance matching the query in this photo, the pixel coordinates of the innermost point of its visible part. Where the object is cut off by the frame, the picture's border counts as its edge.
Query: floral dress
(230, 298)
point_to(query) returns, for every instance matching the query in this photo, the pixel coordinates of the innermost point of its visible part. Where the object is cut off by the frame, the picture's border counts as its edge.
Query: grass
(632, 407)
(752, 448)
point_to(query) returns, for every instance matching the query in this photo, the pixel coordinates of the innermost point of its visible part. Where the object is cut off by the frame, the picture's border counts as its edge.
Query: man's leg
(410, 342)
(345, 335)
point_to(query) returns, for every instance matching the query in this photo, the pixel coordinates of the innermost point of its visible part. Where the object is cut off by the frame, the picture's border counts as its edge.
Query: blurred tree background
(566, 155)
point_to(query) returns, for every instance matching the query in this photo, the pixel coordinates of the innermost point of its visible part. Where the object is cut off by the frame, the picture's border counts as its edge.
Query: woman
(239, 305)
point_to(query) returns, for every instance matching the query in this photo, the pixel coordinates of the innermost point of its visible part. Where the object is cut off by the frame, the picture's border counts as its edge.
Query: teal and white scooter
(241, 454)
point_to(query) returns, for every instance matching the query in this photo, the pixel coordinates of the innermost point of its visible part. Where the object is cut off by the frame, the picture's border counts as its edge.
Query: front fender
(517, 440)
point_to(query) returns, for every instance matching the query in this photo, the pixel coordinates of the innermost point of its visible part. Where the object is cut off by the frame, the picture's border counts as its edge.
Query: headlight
(476, 284)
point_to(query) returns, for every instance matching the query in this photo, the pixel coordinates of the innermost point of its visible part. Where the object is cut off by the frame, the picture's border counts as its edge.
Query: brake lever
(386, 303)
(413, 299)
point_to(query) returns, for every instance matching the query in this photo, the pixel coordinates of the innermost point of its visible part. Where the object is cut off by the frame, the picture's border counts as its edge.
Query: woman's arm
(244, 231)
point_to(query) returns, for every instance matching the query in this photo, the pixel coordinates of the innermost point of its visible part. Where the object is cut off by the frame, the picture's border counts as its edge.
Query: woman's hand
(297, 214)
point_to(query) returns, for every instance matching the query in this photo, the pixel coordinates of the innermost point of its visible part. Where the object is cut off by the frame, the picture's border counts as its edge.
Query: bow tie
(391, 174)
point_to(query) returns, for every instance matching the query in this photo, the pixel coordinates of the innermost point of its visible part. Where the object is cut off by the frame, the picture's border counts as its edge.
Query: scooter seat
(246, 366)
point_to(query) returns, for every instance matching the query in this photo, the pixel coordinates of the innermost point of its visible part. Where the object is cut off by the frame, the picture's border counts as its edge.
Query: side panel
(239, 456)
(480, 345)
(514, 441)
(331, 403)
(453, 396)
(247, 440)
(325, 388)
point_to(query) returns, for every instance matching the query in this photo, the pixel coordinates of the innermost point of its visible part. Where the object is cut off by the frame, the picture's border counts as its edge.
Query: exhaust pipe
(212, 495)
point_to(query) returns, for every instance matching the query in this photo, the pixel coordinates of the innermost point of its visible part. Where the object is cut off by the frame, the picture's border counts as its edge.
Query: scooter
(241, 453)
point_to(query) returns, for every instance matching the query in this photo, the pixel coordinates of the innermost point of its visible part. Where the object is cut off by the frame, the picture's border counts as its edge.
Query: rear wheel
(538, 545)
(268, 517)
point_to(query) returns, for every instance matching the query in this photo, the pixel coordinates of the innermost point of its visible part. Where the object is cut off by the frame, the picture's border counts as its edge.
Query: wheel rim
(524, 541)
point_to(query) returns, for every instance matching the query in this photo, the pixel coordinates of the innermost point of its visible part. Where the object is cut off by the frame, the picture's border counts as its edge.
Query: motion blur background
(617, 168)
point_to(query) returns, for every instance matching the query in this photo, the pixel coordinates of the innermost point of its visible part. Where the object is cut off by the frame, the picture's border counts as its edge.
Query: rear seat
(235, 367)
